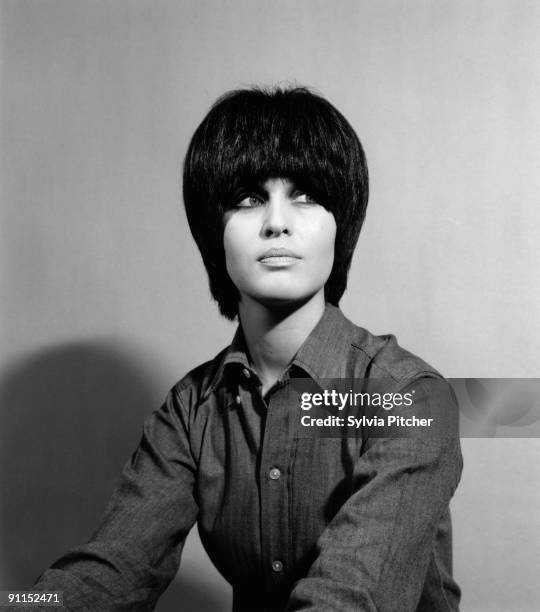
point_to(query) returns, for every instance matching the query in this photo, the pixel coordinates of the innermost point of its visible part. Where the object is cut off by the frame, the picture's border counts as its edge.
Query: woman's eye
(249, 201)
(304, 198)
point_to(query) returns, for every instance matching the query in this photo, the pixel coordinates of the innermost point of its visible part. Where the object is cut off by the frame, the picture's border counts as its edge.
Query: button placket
(276, 451)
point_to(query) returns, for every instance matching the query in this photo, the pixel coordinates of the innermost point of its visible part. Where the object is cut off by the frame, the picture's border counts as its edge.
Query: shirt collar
(323, 354)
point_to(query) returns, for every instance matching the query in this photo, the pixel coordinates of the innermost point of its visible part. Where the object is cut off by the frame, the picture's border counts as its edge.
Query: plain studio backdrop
(105, 303)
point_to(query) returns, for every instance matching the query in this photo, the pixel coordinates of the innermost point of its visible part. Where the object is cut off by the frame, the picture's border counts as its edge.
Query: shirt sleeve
(374, 554)
(135, 552)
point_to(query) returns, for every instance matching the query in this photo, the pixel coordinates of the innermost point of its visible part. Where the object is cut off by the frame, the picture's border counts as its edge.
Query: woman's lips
(279, 261)
(279, 257)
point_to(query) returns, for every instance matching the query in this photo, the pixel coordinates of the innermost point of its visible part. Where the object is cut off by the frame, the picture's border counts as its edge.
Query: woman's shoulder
(381, 355)
(199, 380)
(393, 360)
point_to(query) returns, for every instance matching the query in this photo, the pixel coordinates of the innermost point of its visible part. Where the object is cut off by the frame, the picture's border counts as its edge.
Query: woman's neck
(273, 337)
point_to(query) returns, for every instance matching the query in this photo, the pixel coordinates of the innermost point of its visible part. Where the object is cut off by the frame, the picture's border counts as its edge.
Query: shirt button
(277, 566)
(247, 373)
(274, 473)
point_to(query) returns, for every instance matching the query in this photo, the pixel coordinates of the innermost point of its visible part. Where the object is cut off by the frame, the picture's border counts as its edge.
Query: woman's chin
(284, 300)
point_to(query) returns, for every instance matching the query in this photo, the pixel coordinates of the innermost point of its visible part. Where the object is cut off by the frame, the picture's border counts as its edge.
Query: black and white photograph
(270, 305)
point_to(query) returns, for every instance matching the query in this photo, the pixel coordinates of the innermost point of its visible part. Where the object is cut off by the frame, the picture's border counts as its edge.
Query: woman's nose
(277, 218)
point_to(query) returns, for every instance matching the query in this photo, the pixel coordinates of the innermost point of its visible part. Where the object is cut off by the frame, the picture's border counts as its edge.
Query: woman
(276, 188)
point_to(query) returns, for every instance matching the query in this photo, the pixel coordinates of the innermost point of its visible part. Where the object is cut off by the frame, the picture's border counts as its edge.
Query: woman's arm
(375, 553)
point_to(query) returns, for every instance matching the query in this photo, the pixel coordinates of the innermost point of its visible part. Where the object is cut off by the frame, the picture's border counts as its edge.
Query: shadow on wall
(71, 417)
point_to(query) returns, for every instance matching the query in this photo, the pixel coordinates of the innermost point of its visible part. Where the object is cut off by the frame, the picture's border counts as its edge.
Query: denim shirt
(293, 523)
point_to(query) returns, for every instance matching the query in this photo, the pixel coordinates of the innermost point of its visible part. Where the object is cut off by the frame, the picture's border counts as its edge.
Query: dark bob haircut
(250, 135)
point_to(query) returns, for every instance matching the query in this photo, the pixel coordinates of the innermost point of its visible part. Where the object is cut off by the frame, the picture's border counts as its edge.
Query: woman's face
(279, 244)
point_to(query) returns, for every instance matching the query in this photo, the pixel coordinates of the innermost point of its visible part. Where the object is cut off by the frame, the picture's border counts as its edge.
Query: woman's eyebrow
(259, 187)
(250, 185)
(256, 187)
